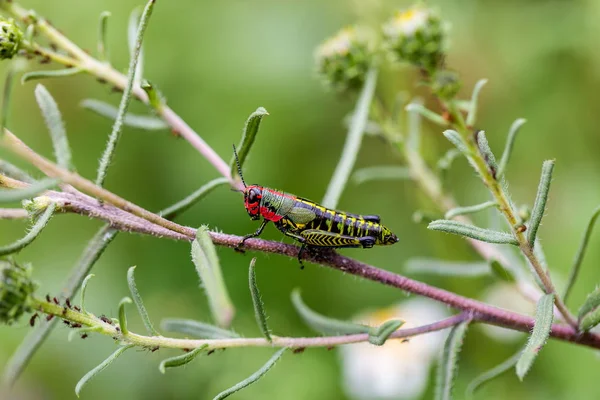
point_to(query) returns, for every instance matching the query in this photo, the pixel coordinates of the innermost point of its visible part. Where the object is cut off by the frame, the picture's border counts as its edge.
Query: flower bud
(344, 59)
(16, 290)
(10, 38)
(416, 36)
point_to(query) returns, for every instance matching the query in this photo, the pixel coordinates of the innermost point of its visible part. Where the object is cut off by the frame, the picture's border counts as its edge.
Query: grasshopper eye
(253, 196)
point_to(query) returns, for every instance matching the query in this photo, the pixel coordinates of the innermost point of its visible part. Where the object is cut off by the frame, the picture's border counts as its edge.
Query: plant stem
(11, 142)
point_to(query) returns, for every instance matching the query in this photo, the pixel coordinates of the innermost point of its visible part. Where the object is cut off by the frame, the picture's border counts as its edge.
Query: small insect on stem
(32, 319)
(309, 223)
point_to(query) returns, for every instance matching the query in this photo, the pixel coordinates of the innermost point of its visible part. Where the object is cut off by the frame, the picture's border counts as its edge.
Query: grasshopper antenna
(239, 167)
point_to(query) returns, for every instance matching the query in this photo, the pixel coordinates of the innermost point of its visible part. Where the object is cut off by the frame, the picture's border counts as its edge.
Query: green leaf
(87, 377)
(252, 378)
(103, 54)
(183, 205)
(486, 152)
(15, 172)
(544, 314)
(183, 359)
(472, 115)
(248, 135)
(59, 73)
(447, 268)
(353, 141)
(197, 329)
(259, 306)
(108, 154)
(428, 114)
(103, 109)
(204, 256)
(580, 253)
(457, 141)
(137, 299)
(470, 209)
(539, 207)
(84, 285)
(33, 233)
(123, 316)
(510, 141)
(502, 272)
(492, 374)
(448, 364)
(6, 95)
(473, 232)
(33, 341)
(55, 126)
(379, 335)
(134, 42)
(391, 172)
(589, 313)
(155, 98)
(323, 324)
(33, 190)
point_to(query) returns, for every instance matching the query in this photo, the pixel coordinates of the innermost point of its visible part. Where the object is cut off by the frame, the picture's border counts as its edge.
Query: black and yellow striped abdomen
(331, 228)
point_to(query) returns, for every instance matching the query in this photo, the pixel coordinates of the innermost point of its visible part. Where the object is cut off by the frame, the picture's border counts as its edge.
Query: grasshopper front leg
(251, 235)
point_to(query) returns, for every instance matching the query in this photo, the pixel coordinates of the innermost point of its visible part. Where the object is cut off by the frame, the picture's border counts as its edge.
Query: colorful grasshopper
(309, 223)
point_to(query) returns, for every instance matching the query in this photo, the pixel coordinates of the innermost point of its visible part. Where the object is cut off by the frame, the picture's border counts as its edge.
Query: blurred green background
(216, 62)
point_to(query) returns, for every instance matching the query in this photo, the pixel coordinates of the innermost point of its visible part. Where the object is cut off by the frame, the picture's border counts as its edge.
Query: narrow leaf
(379, 335)
(502, 272)
(36, 338)
(486, 152)
(108, 154)
(15, 172)
(103, 109)
(102, 44)
(473, 232)
(252, 378)
(391, 172)
(6, 94)
(197, 329)
(137, 299)
(87, 377)
(492, 373)
(123, 316)
(183, 359)
(510, 141)
(84, 285)
(448, 365)
(447, 159)
(428, 114)
(470, 209)
(204, 256)
(135, 43)
(248, 135)
(457, 141)
(472, 115)
(447, 268)
(589, 313)
(59, 73)
(183, 205)
(33, 233)
(33, 190)
(55, 125)
(413, 140)
(353, 141)
(580, 253)
(259, 306)
(323, 324)
(541, 330)
(539, 207)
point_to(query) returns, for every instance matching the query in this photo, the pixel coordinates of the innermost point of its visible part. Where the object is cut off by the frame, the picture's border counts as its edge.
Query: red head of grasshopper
(252, 193)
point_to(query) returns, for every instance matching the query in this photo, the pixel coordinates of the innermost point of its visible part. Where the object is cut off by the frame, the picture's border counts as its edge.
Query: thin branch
(13, 213)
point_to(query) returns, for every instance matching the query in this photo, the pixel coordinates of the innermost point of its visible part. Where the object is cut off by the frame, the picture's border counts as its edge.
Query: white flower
(507, 296)
(400, 368)
(339, 44)
(406, 23)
